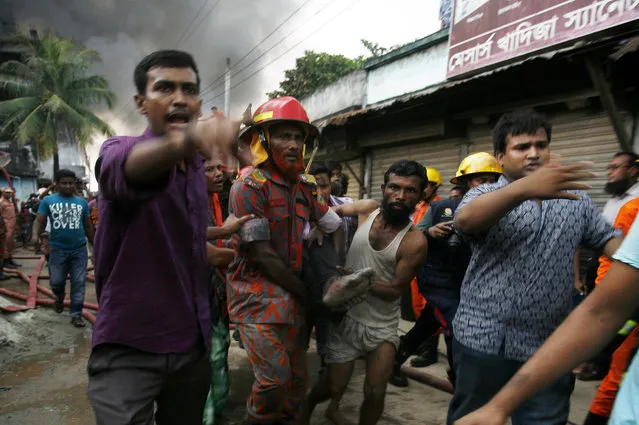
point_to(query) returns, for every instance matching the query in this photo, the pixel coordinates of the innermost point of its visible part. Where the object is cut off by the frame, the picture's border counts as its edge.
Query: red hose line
(33, 283)
(428, 379)
(39, 301)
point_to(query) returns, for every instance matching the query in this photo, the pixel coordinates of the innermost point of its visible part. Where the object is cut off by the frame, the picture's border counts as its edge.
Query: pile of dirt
(32, 332)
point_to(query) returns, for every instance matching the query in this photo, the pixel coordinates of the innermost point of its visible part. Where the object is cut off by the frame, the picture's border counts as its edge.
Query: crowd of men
(278, 250)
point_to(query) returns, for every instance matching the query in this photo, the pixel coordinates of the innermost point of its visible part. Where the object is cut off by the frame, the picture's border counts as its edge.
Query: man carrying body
(266, 296)
(70, 228)
(151, 337)
(387, 242)
(448, 255)
(523, 232)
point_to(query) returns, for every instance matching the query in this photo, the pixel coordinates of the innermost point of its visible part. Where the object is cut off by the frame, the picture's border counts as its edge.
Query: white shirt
(614, 204)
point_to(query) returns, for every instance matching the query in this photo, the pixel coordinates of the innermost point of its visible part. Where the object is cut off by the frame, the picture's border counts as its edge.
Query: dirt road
(43, 376)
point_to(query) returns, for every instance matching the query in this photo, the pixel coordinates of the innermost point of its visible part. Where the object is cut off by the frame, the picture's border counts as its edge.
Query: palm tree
(48, 97)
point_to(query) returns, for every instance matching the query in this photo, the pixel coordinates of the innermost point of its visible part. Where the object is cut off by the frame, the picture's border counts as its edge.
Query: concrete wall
(408, 74)
(345, 93)
(70, 156)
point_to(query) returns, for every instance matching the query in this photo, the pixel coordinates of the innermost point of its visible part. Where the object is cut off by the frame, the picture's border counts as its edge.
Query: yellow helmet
(477, 163)
(433, 176)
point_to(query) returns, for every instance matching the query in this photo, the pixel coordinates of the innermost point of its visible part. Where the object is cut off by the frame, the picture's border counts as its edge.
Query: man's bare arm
(89, 231)
(219, 257)
(266, 259)
(231, 225)
(38, 225)
(411, 256)
(360, 209)
(605, 311)
(612, 246)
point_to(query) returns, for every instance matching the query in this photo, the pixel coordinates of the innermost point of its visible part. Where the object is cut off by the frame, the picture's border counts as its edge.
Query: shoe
(3, 276)
(236, 336)
(13, 263)
(58, 305)
(9, 265)
(425, 359)
(398, 379)
(77, 322)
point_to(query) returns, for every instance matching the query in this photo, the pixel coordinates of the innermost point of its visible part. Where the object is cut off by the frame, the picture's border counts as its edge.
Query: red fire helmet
(274, 111)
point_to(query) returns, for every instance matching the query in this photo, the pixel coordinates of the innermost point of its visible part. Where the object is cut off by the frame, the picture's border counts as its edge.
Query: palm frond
(9, 108)
(31, 127)
(91, 97)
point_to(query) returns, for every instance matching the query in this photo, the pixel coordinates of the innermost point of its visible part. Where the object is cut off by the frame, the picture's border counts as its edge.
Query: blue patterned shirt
(519, 283)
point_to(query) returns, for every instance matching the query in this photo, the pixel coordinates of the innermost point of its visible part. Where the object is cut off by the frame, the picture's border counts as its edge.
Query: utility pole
(227, 88)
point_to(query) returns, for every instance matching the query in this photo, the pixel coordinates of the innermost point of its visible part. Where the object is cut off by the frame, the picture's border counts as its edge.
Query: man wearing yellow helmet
(440, 279)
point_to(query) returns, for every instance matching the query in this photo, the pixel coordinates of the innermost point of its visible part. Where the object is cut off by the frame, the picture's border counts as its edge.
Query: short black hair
(632, 157)
(162, 59)
(523, 121)
(333, 165)
(406, 168)
(319, 168)
(62, 173)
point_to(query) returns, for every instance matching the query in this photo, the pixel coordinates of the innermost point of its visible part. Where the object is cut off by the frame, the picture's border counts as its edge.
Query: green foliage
(314, 71)
(375, 49)
(49, 95)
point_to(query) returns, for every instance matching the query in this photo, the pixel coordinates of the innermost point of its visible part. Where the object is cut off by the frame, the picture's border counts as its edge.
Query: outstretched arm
(410, 258)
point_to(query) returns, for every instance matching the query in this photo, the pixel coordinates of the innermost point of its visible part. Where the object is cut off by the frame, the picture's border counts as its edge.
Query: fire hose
(34, 288)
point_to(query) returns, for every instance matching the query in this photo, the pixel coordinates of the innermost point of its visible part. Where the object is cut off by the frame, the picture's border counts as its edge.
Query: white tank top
(374, 311)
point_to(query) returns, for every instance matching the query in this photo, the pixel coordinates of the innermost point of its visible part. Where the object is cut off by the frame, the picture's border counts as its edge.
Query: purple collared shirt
(150, 252)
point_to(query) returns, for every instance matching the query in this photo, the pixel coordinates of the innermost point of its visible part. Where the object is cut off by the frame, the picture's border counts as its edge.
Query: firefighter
(266, 296)
(448, 256)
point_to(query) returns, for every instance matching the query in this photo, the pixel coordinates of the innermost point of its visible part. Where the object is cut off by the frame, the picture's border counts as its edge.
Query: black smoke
(123, 31)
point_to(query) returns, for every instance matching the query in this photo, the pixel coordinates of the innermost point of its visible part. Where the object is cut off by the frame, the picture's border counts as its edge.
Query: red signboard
(486, 32)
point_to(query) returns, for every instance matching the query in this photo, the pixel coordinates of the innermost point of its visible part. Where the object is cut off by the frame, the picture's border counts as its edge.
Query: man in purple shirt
(153, 328)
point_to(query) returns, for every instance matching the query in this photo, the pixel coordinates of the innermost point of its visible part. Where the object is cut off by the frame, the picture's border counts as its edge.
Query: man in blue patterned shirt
(523, 232)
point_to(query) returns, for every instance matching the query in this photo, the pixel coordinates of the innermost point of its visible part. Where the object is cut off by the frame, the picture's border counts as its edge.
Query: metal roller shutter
(353, 186)
(481, 138)
(442, 155)
(585, 136)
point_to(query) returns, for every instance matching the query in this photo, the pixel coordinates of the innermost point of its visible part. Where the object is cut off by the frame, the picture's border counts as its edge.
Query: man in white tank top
(387, 242)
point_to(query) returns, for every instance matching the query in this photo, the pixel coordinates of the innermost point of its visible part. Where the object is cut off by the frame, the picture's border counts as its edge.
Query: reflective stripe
(627, 328)
(255, 230)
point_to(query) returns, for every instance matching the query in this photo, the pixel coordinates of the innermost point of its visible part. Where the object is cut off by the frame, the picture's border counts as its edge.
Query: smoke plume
(124, 31)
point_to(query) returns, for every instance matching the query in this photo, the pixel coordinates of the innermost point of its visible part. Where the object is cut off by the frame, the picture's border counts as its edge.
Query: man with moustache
(387, 242)
(622, 185)
(267, 299)
(149, 359)
(523, 232)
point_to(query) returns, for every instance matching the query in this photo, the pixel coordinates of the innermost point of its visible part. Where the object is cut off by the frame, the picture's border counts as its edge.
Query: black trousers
(125, 384)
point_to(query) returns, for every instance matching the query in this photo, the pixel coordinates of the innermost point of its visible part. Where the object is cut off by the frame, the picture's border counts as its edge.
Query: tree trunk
(56, 162)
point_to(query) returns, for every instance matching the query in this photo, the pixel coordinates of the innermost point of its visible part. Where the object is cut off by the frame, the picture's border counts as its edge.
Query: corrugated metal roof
(343, 119)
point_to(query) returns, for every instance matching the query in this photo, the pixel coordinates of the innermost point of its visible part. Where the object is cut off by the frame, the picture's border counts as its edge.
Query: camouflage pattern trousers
(277, 353)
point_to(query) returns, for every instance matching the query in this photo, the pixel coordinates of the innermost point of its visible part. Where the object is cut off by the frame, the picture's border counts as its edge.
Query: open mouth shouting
(178, 120)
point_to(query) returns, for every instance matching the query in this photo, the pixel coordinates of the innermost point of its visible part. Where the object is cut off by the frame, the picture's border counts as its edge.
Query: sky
(124, 31)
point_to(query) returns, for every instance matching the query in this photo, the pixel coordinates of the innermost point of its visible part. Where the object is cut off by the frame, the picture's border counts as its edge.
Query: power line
(186, 29)
(205, 91)
(259, 44)
(288, 50)
(201, 21)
